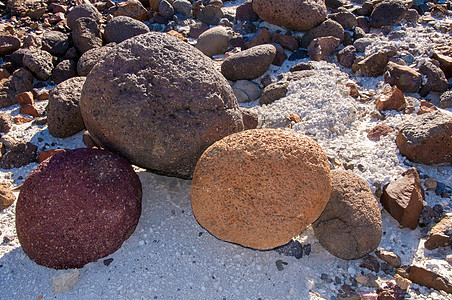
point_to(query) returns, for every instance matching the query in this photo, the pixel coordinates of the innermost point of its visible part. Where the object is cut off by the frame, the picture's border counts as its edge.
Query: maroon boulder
(403, 198)
(76, 207)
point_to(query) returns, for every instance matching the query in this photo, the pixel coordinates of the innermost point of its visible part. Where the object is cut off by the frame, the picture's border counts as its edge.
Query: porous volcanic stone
(261, 187)
(427, 139)
(90, 58)
(387, 12)
(20, 155)
(64, 70)
(76, 207)
(63, 111)
(55, 42)
(86, 10)
(122, 28)
(40, 63)
(248, 64)
(350, 226)
(160, 111)
(300, 15)
(86, 34)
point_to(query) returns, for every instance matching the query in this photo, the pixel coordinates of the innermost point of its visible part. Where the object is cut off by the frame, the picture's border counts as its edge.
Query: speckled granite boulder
(350, 226)
(259, 188)
(299, 15)
(76, 207)
(160, 111)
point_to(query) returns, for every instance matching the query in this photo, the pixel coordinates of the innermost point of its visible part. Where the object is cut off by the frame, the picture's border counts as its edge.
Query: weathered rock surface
(390, 98)
(7, 196)
(133, 9)
(90, 58)
(22, 80)
(245, 12)
(64, 70)
(5, 122)
(350, 226)
(446, 100)
(371, 66)
(378, 131)
(86, 34)
(20, 155)
(387, 12)
(122, 28)
(8, 44)
(63, 111)
(326, 28)
(259, 188)
(248, 64)
(246, 90)
(390, 257)
(427, 139)
(322, 47)
(86, 10)
(436, 80)
(213, 41)
(210, 14)
(299, 15)
(273, 92)
(40, 63)
(55, 42)
(250, 118)
(405, 78)
(440, 235)
(162, 111)
(346, 57)
(76, 207)
(403, 198)
(429, 279)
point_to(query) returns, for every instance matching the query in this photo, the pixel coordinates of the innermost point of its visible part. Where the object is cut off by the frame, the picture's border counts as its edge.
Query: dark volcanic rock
(387, 12)
(19, 156)
(350, 226)
(63, 111)
(85, 10)
(64, 70)
(326, 28)
(22, 80)
(76, 207)
(160, 111)
(245, 12)
(273, 92)
(427, 139)
(90, 58)
(122, 28)
(405, 78)
(429, 279)
(86, 34)
(40, 63)
(8, 44)
(55, 42)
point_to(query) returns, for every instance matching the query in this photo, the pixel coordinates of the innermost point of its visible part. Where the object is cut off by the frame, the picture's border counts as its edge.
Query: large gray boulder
(122, 28)
(159, 102)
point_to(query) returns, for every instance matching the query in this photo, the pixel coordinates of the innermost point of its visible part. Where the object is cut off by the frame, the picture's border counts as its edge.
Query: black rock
(292, 248)
(298, 54)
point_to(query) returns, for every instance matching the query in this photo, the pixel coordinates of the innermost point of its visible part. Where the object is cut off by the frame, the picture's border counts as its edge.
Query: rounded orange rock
(259, 188)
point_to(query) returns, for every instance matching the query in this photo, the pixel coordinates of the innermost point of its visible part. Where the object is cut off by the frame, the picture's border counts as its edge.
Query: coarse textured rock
(213, 41)
(363, 23)
(280, 56)
(428, 278)
(256, 189)
(346, 57)
(446, 100)
(246, 90)
(411, 15)
(405, 78)
(5, 122)
(303, 66)
(362, 43)
(17, 56)
(197, 29)
(76, 207)
(245, 12)
(440, 235)
(248, 64)
(390, 257)
(403, 197)
(20, 155)
(166, 10)
(426, 107)
(154, 4)
(250, 118)
(350, 226)
(40, 63)
(90, 58)
(86, 34)
(288, 42)
(326, 28)
(64, 70)
(181, 106)
(122, 28)
(378, 131)
(29, 109)
(7, 196)
(445, 63)
(260, 37)
(63, 111)
(370, 262)
(436, 80)
(210, 14)
(346, 19)
(55, 42)
(8, 44)
(390, 98)
(322, 47)
(183, 7)
(427, 139)
(273, 92)
(373, 65)
(387, 12)
(133, 9)
(22, 80)
(85, 10)
(300, 15)
(25, 98)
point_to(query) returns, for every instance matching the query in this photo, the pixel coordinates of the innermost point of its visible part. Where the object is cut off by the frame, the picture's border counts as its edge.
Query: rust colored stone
(440, 235)
(7, 196)
(403, 198)
(294, 118)
(426, 107)
(429, 279)
(259, 188)
(262, 36)
(29, 109)
(19, 120)
(288, 42)
(391, 98)
(43, 155)
(25, 98)
(378, 131)
(389, 257)
(4, 74)
(353, 89)
(177, 34)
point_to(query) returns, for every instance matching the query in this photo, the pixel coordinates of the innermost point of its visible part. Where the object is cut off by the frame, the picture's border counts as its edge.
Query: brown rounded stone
(76, 207)
(261, 187)
(350, 226)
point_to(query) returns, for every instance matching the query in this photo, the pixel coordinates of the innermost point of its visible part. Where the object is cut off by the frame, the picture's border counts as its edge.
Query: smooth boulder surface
(76, 207)
(63, 111)
(350, 226)
(122, 28)
(160, 111)
(259, 188)
(300, 15)
(248, 64)
(213, 41)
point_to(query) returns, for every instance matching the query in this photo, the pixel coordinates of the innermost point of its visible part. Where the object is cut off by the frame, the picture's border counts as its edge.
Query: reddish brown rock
(261, 37)
(259, 188)
(85, 10)
(378, 131)
(8, 44)
(429, 279)
(250, 118)
(426, 107)
(43, 155)
(20, 155)
(440, 235)
(294, 118)
(288, 42)
(445, 63)
(133, 9)
(403, 198)
(427, 138)
(326, 28)
(245, 12)
(322, 47)
(19, 120)
(29, 109)
(350, 226)
(390, 257)
(7, 196)
(5, 122)
(405, 78)
(371, 66)
(76, 207)
(391, 98)
(88, 140)
(25, 98)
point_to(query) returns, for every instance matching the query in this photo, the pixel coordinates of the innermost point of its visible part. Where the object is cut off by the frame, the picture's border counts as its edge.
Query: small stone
(301, 67)
(371, 66)
(280, 264)
(293, 248)
(405, 78)
(246, 90)
(426, 107)
(30, 110)
(133, 9)
(65, 281)
(294, 118)
(20, 155)
(387, 12)
(430, 183)
(122, 28)
(261, 37)
(86, 34)
(390, 257)
(378, 131)
(440, 235)
(391, 98)
(107, 261)
(43, 155)
(371, 263)
(213, 41)
(7, 196)
(361, 279)
(402, 282)
(346, 57)
(273, 92)
(449, 258)
(250, 118)
(5, 122)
